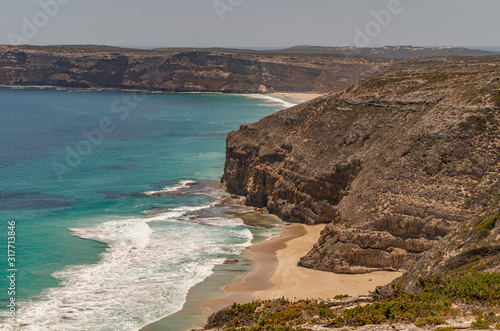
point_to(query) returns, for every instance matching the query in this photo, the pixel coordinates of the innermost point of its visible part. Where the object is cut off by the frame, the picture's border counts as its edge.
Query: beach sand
(265, 262)
(297, 96)
(277, 275)
(294, 282)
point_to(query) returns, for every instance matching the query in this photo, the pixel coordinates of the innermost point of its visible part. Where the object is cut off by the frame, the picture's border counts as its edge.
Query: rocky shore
(393, 164)
(405, 170)
(401, 163)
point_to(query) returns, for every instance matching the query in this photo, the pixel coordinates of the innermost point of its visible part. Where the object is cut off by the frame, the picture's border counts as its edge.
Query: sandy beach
(265, 262)
(277, 275)
(297, 96)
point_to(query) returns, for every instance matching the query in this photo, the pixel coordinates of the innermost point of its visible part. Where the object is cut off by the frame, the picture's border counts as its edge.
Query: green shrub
(429, 307)
(490, 223)
(429, 321)
(480, 324)
(476, 286)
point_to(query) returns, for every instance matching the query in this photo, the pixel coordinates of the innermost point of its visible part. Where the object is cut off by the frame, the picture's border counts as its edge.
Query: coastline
(296, 96)
(265, 262)
(273, 274)
(227, 280)
(299, 96)
(277, 275)
(294, 282)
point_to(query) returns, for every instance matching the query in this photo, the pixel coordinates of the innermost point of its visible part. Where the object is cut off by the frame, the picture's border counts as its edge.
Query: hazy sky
(251, 23)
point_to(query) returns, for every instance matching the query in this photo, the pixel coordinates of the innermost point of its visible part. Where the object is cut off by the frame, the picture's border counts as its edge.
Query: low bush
(428, 307)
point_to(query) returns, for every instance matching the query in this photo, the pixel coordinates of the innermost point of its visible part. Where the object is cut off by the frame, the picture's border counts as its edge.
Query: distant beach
(297, 96)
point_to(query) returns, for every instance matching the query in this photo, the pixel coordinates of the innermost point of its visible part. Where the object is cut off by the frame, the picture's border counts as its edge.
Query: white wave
(188, 209)
(134, 233)
(4, 325)
(211, 155)
(169, 189)
(272, 101)
(174, 213)
(143, 276)
(178, 212)
(222, 221)
(237, 248)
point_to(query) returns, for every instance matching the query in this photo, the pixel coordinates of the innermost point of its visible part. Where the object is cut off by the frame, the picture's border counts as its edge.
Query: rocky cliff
(473, 246)
(181, 71)
(393, 164)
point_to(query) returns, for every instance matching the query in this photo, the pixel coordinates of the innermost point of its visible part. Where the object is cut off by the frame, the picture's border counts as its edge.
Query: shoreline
(304, 96)
(277, 275)
(274, 274)
(265, 261)
(299, 96)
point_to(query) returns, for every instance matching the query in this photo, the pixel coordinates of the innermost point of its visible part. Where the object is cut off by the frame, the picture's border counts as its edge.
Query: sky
(251, 23)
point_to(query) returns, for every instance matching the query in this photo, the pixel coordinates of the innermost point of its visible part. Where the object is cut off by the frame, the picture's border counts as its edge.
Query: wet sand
(265, 262)
(277, 275)
(274, 275)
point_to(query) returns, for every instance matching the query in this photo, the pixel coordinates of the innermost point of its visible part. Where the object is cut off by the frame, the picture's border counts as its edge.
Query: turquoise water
(113, 195)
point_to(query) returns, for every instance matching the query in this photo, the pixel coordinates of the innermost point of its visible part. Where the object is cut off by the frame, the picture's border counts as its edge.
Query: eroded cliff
(393, 163)
(181, 71)
(473, 246)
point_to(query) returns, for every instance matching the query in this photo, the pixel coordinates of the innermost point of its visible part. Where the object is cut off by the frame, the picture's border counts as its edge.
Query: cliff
(472, 246)
(298, 69)
(393, 164)
(180, 71)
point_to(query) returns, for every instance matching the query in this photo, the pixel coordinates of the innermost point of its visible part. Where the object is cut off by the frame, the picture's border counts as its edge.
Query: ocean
(115, 202)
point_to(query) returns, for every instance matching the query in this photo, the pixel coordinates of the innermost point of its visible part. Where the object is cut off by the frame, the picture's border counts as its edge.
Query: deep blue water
(112, 195)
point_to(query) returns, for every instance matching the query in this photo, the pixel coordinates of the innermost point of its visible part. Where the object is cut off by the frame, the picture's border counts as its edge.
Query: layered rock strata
(392, 164)
(187, 71)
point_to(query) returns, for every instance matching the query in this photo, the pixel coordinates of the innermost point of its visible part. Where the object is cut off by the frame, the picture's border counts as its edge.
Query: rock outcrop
(393, 163)
(473, 246)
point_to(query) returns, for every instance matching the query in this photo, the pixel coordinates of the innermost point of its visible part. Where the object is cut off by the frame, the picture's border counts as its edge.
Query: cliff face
(393, 163)
(190, 71)
(472, 246)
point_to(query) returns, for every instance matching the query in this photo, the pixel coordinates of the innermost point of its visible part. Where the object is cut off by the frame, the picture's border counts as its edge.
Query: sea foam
(144, 274)
(273, 101)
(170, 189)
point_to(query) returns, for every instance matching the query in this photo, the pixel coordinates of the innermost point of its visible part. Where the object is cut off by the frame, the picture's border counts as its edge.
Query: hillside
(389, 51)
(297, 69)
(469, 301)
(180, 71)
(404, 168)
(393, 164)
(472, 246)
